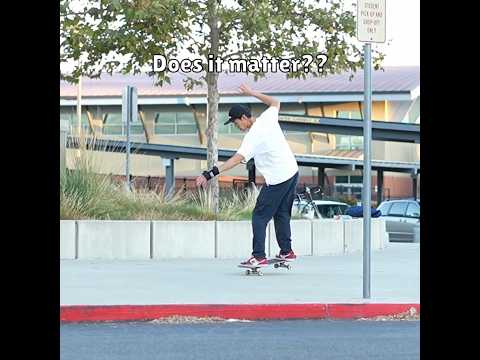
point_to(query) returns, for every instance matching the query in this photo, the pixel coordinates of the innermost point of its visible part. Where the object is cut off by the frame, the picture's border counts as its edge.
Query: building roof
(404, 79)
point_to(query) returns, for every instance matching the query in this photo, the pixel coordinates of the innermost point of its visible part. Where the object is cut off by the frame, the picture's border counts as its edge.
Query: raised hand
(245, 89)
(268, 100)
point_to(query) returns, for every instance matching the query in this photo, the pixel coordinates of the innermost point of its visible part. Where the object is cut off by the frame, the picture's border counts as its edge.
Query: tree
(123, 35)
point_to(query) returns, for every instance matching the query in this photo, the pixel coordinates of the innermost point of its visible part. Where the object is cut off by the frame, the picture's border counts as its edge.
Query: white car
(327, 209)
(402, 219)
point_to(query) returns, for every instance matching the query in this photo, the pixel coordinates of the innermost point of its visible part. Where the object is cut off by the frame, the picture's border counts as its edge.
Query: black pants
(274, 201)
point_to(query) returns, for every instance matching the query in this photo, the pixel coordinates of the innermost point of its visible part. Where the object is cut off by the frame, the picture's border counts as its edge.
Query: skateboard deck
(254, 269)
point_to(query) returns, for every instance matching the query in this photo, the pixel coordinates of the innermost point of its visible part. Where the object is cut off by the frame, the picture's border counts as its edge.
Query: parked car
(402, 219)
(326, 209)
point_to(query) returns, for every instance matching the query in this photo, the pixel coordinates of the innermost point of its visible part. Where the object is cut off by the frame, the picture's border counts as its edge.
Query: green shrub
(85, 194)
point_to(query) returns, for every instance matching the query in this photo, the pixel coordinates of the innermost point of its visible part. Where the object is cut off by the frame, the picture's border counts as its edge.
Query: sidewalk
(312, 280)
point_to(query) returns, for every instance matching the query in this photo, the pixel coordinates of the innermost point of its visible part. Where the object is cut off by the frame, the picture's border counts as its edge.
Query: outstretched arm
(230, 163)
(227, 165)
(268, 100)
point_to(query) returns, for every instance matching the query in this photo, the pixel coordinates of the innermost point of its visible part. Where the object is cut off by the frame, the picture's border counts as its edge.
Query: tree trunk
(212, 113)
(212, 137)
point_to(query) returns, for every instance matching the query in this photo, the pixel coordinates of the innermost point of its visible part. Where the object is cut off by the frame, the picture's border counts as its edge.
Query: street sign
(371, 16)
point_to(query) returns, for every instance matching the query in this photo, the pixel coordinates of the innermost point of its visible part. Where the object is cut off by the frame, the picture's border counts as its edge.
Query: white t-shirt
(266, 143)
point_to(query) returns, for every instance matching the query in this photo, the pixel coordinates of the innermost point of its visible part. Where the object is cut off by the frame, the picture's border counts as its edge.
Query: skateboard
(254, 270)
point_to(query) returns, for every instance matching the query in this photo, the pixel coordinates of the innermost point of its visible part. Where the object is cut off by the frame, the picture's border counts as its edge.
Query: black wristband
(211, 173)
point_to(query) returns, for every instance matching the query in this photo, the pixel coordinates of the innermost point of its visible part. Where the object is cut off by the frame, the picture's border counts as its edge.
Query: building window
(172, 123)
(351, 185)
(70, 114)
(413, 114)
(226, 129)
(353, 179)
(113, 125)
(186, 123)
(136, 128)
(66, 114)
(347, 142)
(356, 180)
(165, 123)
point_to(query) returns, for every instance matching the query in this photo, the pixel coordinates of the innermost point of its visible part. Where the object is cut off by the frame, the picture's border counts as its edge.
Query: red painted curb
(97, 313)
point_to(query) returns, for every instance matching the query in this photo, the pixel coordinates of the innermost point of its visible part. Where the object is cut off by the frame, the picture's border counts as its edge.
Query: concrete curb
(94, 313)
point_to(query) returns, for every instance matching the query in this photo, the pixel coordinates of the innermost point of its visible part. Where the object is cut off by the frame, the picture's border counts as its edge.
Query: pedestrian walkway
(313, 279)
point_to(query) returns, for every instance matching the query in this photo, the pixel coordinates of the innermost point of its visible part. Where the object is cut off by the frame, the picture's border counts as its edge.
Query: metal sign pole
(367, 157)
(370, 28)
(128, 111)
(79, 107)
(129, 117)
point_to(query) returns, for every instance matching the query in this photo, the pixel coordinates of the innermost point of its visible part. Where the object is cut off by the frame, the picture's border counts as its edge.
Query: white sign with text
(371, 20)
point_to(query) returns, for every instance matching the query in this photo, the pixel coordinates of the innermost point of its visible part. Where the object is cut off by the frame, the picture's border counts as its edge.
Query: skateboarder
(266, 143)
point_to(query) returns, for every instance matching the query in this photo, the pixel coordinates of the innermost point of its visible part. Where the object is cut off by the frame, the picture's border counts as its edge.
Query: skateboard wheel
(260, 273)
(247, 272)
(276, 266)
(289, 267)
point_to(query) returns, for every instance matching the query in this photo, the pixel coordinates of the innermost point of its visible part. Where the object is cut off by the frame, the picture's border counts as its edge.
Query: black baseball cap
(236, 112)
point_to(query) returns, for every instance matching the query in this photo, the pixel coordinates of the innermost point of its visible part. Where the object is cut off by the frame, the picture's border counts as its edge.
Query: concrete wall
(234, 239)
(397, 151)
(353, 235)
(94, 239)
(113, 239)
(327, 237)
(301, 238)
(67, 239)
(379, 233)
(183, 239)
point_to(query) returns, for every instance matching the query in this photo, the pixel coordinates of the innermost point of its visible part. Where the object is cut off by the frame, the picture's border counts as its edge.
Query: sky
(402, 33)
(403, 27)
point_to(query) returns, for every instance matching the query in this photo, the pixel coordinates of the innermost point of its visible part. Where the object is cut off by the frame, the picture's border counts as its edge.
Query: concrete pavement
(313, 280)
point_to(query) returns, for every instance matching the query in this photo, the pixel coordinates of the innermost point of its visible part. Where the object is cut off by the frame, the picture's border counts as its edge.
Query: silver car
(402, 219)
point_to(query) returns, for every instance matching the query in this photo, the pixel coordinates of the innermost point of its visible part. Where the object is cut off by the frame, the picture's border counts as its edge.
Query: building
(173, 115)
